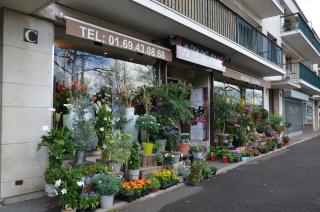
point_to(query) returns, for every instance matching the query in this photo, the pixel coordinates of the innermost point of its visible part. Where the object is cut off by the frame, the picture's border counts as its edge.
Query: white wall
(26, 91)
(273, 26)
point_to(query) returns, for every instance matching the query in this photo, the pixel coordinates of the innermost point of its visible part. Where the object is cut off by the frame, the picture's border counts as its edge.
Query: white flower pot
(115, 166)
(50, 190)
(134, 174)
(163, 144)
(176, 158)
(106, 201)
(197, 155)
(131, 121)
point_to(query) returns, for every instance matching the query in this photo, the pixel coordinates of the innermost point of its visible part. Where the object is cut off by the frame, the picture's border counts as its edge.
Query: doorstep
(222, 168)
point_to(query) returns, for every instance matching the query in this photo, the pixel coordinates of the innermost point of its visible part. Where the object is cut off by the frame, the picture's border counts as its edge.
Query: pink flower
(237, 126)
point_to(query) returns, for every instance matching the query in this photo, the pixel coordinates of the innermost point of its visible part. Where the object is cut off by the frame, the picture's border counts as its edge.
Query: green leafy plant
(83, 129)
(168, 158)
(134, 160)
(117, 148)
(88, 200)
(106, 184)
(149, 124)
(103, 122)
(271, 145)
(91, 169)
(52, 174)
(159, 158)
(197, 148)
(206, 171)
(184, 170)
(157, 145)
(155, 183)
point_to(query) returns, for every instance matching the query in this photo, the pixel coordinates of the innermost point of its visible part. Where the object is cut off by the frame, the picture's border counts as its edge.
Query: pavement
(285, 180)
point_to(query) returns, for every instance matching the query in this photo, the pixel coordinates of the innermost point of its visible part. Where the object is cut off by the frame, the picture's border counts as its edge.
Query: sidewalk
(39, 205)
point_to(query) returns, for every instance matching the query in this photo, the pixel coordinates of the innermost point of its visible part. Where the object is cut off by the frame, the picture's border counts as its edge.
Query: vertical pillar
(266, 102)
(211, 107)
(163, 72)
(27, 94)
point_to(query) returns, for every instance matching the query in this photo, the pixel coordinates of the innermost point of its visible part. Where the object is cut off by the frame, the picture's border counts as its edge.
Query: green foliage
(155, 183)
(271, 145)
(159, 159)
(157, 145)
(184, 170)
(174, 101)
(88, 200)
(106, 184)
(103, 122)
(197, 148)
(83, 129)
(134, 160)
(52, 174)
(58, 142)
(206, 171)
(148, 123)
(95, 168)
(69, 188)
(224, 109)
(118, 148)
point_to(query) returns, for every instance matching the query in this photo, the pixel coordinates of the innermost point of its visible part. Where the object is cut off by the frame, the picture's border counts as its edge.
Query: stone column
(26, 85)
(266, 98)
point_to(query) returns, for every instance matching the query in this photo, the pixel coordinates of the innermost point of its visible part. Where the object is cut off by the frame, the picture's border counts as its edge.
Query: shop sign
(30, 35)
(194, 53)
(108, 37)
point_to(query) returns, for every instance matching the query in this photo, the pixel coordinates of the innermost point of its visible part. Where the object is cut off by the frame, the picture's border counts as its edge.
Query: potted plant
(117, 150)
(213, 153)
(157, 146)
(184, 171)
(83, 128)
(224, 109)
(107, 186)
(197, 151)
(147, 125)
(184, 146)
(206, 171)
(176, 156)
(155, 184)
(159, 158)
(51, 174)
(195, 176)
(166, 177)
(134, 162)
(168, 158)
(88, 202)
(134, 189)
(286, 140)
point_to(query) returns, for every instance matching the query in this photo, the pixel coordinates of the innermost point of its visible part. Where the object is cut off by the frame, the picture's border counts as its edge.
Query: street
(285, 181)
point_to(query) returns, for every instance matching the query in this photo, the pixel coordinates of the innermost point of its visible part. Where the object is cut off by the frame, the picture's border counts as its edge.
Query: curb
(121, 205)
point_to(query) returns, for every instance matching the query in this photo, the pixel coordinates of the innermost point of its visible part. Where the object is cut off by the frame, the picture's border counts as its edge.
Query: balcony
(301, 38)
(218, 17)
(266, 8)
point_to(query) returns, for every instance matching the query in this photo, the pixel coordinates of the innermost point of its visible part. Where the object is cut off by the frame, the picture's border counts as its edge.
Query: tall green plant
(83, 128)
(134, 160)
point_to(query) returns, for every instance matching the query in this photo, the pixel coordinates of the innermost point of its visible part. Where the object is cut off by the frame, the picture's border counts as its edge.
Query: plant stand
(147, 160)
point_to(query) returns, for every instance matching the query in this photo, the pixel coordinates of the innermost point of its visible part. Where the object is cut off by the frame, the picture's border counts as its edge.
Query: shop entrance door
(294, 115)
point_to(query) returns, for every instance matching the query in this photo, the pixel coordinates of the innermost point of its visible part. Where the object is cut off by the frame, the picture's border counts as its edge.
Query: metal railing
(308, 75)
(220, 18)
(296, 22)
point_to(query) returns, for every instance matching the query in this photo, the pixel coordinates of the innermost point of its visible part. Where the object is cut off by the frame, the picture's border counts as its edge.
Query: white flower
(100, 182)
(108, 109)
(85, 110)
(80, 183)
(101, 129)
(57, 184)
(55, 192)
(248, 128)
(52, 109)
(63, 191)
(105, 118)
(104, 146)
(172, 156)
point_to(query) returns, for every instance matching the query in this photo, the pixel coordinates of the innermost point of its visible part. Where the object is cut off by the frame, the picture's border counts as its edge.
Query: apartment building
(264, 52)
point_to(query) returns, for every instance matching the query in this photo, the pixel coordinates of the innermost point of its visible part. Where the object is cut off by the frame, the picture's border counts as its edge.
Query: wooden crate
(147, 160)
(147, 171)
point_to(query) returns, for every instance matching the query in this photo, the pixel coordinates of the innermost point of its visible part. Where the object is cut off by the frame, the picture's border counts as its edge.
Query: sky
(311, 9)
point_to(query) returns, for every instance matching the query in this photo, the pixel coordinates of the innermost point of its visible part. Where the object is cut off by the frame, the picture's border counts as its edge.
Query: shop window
(99, 76)
(254, 97)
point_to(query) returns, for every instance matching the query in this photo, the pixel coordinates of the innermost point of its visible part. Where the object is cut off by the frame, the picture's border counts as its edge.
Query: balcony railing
(296, 22)
(220, 18)
(309, 76)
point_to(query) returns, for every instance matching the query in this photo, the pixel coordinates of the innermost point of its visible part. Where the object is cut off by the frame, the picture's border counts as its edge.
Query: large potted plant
(83, 128)
(147, 125)
(155, 184)
(184, 144)
(134, 162)
(107, 186)
(224, 108)
(197, 151)
(88, 202)
(117, 150)
(51, 174)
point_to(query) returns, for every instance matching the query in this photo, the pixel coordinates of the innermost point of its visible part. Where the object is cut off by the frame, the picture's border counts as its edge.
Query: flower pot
(96, 153)
(106, 201)
(50, 190)
(68, 210)
(134, 174)
(115, 166)
(155, 190)
(80, 157)
(163, 145)
(197, 155)
(225, 159)
(176, 158)
(184, 148)
(147, 148)
(213, 157)
(129, 127)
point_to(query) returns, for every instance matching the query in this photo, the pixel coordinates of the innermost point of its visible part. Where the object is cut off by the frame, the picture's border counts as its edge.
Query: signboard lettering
(108, 37)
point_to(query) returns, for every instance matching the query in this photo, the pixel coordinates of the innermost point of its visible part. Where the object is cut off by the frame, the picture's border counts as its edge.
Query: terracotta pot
(225, 159)
(184, 148)
(154, 190)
